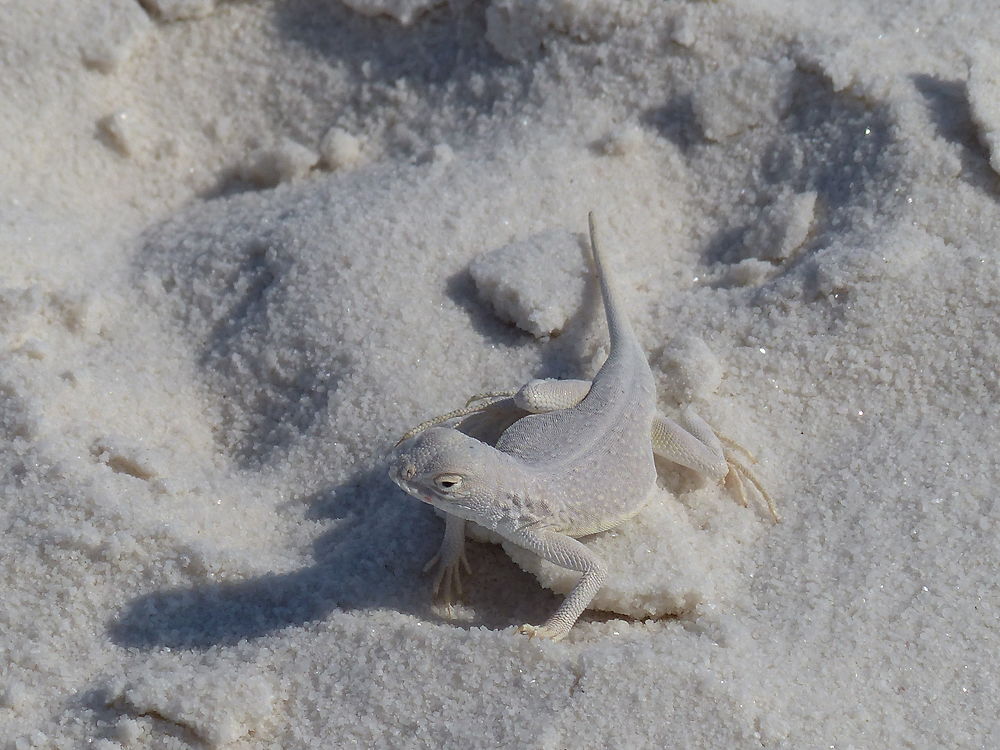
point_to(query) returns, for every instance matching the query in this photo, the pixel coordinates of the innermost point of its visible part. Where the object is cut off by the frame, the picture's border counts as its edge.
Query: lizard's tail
(618, 326)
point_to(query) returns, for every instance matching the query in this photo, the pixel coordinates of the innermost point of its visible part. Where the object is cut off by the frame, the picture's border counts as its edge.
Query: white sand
(200, 373)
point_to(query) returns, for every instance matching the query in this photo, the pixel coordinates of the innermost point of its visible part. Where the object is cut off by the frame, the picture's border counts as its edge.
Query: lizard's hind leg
(491, 396)
(536, 397)
(540, 396)
(697, 446)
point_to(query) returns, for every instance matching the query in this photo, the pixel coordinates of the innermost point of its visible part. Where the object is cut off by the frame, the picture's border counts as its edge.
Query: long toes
(734, 484)
(737, 478)
(431, 563)
(443, 599)
(448, 585)
(733, 445)
(455, 583)
(436, 589)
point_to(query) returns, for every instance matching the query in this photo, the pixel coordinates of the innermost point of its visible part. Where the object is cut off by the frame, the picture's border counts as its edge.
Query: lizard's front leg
(567, 553)
(450, 559)
(694, 445)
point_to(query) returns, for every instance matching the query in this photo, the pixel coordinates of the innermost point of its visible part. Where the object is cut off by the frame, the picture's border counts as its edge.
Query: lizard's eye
(447, 482)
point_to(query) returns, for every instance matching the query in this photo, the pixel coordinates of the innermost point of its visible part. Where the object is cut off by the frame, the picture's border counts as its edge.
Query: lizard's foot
(448, 578)
(734, 481)
(543, 631)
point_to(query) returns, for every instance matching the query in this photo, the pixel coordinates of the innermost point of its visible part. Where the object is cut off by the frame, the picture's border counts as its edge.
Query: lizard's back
(592, 464)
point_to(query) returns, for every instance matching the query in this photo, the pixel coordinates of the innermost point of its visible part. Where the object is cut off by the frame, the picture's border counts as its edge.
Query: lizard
(574, 458)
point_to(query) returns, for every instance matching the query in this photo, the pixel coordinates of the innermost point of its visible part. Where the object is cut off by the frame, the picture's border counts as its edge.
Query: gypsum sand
(236, 249)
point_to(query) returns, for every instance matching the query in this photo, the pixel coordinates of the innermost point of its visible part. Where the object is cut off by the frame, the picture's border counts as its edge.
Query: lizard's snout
(401, 466)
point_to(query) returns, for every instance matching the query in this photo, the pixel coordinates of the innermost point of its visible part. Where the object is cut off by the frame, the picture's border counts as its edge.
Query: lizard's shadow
(370, 559)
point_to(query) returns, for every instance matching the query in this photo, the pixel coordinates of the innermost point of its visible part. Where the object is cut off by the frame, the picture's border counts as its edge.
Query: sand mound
(247, 244)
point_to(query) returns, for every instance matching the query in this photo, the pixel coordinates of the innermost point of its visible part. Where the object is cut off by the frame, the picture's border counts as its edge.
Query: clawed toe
(447, 586)
(734, 484)
(431, 563)
(734, 481)
(541, 631)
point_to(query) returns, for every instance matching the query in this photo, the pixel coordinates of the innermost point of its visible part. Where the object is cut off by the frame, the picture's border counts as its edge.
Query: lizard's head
(447, 469)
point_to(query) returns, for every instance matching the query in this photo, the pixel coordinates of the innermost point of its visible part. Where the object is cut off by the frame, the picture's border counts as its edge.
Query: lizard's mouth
(408, 487)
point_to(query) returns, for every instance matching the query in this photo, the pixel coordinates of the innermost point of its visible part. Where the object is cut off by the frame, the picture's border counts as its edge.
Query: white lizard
(576, 459)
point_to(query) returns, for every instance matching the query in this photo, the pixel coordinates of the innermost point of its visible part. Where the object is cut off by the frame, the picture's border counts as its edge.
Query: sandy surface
(245, 245)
